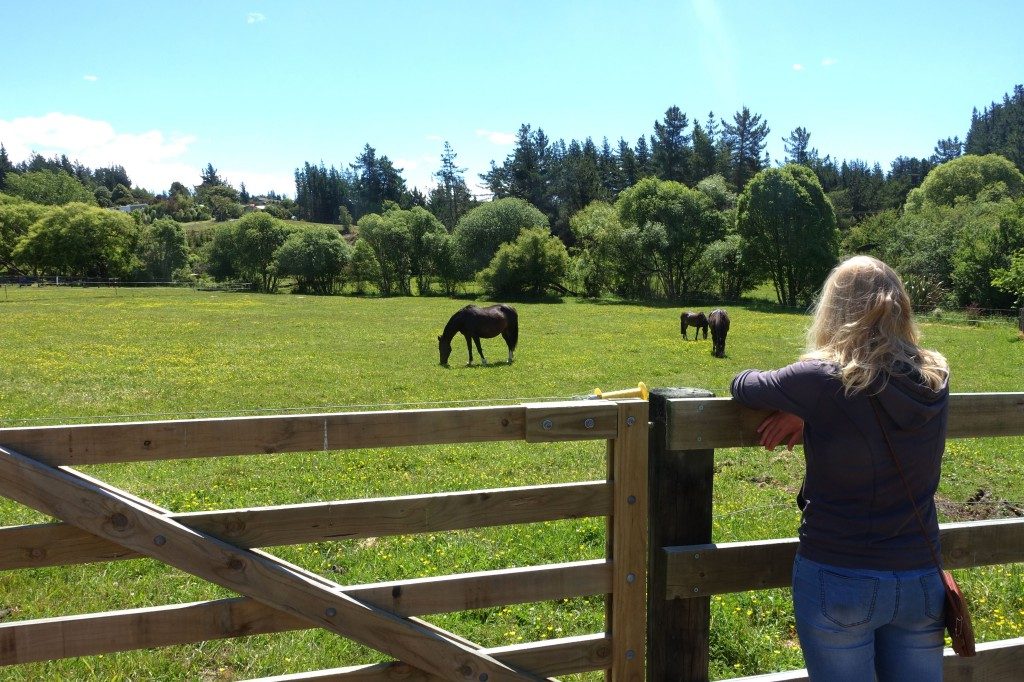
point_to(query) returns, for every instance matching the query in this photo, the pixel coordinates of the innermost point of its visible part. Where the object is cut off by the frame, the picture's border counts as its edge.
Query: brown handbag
(958, 618)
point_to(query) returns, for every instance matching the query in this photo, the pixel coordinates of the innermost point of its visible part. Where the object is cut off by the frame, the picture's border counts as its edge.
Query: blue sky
(258, 88)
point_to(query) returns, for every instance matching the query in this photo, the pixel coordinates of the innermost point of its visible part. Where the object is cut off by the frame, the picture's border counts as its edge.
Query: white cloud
(496, 137)
(828, 61)
(259, 183)
(798, 67)
(152, 159)
(91, 78)
(418, 172)
(254, 18)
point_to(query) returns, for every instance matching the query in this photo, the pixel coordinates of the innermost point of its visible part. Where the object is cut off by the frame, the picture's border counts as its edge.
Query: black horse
(696, 320)
(718, 320)
(476, 323)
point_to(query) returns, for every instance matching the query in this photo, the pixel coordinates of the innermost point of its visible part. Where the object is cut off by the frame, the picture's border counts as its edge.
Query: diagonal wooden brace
(134, 523)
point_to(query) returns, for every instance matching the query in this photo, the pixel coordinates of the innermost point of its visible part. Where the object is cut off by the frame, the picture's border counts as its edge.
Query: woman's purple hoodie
(858, 513)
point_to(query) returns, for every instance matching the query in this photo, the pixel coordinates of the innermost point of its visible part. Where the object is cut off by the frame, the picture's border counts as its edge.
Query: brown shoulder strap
(906, 486)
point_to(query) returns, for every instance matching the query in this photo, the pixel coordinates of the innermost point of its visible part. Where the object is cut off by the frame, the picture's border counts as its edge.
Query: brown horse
(475, 323)
(696, 320)
(718, 320)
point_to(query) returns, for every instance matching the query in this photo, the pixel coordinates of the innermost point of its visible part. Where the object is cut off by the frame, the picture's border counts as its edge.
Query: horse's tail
(512, 330)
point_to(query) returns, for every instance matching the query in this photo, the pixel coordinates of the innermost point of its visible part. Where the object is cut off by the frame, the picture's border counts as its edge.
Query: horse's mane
(452, 328)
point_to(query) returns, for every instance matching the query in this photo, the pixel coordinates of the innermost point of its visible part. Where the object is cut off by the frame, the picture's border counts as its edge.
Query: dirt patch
(978, 507)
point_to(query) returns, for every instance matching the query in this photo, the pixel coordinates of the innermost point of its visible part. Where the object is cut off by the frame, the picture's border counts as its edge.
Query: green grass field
(87, 355)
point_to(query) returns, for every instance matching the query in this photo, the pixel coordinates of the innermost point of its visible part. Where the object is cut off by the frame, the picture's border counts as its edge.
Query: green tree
(79, 241)
(905, 174)
(221, 201)
(121, 195)
(745, 138)
(481, 231)
(257, 237)
(1011, 278)
(525, 173)
(420, 223)
(111, 177)
(670, 148)
(947, 150)
(995, 232)
(533, 264)
(726, 259)
(53, 188)
(598, 235)
(704, 157)
(391, 240)
(5, 165)
(325, 195)
(16, 217)
(364, 267)
(790, 228)
(103, 197)
(316, 257)
(674, 225)
(376, 181)
(717, 189)
(999, 129)
(798, 148)
(162, 249)
(451, 198)
(965, 179)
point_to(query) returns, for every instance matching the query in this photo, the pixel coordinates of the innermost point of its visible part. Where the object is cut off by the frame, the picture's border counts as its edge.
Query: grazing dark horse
(696, 320)
(476, 323)
(718, 320)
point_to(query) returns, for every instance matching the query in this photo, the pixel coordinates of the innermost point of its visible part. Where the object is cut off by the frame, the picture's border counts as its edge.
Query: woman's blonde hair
(863, 323)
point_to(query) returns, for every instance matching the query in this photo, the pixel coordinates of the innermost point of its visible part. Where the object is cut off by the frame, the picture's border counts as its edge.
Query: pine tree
(451, 199)
(5, 165)
(745, 139)
(798, 148)
(947, 150)
(643, 157)
(628, 165)
(670, 146)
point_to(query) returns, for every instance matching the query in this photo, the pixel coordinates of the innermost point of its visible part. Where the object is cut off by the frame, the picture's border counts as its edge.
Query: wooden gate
(101, 522)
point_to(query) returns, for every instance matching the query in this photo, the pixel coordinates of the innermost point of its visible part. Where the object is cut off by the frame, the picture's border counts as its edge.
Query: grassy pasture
(82, 355)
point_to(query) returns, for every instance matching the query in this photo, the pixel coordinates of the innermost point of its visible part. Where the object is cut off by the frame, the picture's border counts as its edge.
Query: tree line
(697, 208)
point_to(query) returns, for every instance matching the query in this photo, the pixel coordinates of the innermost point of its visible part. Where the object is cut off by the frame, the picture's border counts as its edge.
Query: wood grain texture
(995, 662)
(570, 420)
(551, 657)
(628, 611)
(148, 441)
(109, 632)
(705, 569)
(39, 545)
(118, 518)
(699, 423)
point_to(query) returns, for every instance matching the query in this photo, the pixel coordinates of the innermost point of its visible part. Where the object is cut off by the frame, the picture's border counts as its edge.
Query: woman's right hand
(781, 426)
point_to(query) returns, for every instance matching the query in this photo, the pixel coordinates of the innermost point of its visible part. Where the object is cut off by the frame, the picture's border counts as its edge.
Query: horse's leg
(684, 330)
(483, 360)
(469, 347)
(504, 335)
(705, 333)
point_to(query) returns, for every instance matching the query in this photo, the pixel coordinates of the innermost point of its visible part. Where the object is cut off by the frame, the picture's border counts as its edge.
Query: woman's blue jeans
(857, 625)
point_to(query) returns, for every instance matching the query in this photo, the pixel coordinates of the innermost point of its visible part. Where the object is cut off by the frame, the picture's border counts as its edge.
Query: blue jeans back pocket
(934, 596)
(845, 600)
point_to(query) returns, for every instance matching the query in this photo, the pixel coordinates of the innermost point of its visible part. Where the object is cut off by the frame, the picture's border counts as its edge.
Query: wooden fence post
(681, 484)
(1020, 319)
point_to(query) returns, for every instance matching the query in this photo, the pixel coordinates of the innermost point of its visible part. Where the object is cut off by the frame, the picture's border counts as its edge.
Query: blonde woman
(867, 595)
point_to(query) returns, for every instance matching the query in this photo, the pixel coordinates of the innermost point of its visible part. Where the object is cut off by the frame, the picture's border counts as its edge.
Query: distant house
(128, 208)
